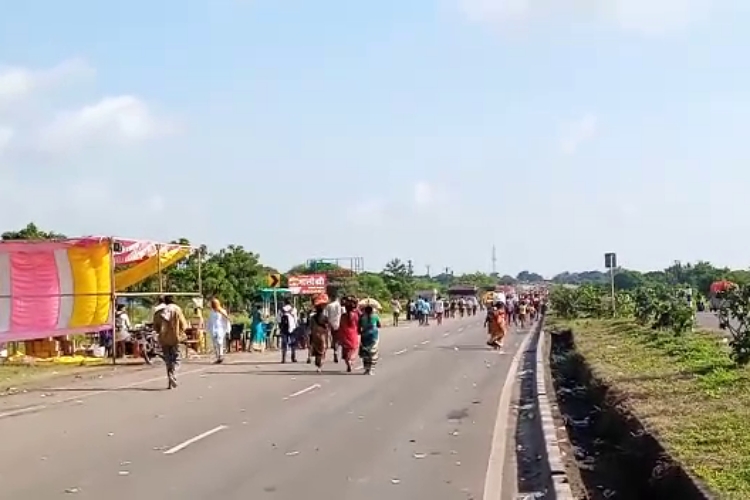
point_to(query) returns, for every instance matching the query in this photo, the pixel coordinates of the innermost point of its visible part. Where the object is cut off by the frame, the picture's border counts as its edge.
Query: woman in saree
(320, 331)
(369, 333)
(349, 332)
(496, 325)
(258, 330)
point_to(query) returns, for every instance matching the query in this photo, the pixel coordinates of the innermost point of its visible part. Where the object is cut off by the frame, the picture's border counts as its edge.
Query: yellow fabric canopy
(139, 272)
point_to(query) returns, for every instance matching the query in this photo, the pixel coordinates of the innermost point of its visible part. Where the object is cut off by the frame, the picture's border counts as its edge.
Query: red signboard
(308, 284)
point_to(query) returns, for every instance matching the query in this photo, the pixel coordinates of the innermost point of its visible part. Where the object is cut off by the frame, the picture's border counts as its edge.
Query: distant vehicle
(714, 302)
(429, 295)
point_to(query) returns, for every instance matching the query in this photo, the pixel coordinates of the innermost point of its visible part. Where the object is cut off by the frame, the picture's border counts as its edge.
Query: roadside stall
(53, 291)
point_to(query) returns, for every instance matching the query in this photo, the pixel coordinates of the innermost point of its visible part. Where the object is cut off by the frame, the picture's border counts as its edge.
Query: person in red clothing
(349, 332)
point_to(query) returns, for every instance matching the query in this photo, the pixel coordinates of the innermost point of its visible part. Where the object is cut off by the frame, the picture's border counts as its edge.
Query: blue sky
(428, 129)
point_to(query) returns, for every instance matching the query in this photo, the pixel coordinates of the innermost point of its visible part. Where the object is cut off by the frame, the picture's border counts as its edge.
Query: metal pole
(200, 272)
(612, 284)
(113, 298)
(158, 263)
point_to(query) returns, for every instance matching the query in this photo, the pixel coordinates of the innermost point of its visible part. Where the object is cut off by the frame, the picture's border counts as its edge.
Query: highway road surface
(707, 320)
(421, 427)
(710, 321)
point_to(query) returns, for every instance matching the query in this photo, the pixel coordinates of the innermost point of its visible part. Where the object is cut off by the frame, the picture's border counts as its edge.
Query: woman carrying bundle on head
(496, 325)
(320, 331)
(369, 334)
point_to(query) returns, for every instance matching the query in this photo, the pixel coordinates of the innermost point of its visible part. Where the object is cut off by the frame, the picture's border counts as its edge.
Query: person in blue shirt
(423, 308)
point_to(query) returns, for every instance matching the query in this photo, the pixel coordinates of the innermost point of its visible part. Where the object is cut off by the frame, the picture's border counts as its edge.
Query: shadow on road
(295, 373)
(99, 389)
(475, 347)
(248, 363)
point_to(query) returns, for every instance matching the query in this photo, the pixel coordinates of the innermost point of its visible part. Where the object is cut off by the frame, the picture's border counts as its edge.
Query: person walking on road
(522, 311)
(496, 325)
(218, 327)
(349, 332)
(396, 308)
(258, 330)
(439, 310)
(170, 323)
(333, 313)
(288, 332)
(320, 331)
(369, 332)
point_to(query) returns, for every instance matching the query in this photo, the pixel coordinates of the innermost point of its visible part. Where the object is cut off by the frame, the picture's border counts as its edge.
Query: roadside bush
(664, 308)
(660, 308)
(587, 301)
(734, 315)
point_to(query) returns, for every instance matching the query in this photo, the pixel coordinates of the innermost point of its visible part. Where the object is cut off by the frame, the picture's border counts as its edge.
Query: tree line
(236, 275)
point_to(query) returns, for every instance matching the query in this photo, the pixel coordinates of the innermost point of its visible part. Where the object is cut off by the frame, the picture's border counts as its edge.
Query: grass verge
(685, 389)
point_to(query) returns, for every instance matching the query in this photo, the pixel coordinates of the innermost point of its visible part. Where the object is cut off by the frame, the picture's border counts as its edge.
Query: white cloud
(69, 164)
(578, 133)
(118, 120)
(18, 82)
(642, 16)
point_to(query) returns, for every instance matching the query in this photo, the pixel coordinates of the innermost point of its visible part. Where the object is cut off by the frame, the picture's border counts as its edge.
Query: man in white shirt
(287, 321)
(439, 310)
(333, 312)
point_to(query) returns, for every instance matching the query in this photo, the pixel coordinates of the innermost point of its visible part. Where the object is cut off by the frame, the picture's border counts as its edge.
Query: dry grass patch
(13, 376)
(685, 389)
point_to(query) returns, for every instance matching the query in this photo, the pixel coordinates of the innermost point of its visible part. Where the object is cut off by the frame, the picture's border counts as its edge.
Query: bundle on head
(320, 300)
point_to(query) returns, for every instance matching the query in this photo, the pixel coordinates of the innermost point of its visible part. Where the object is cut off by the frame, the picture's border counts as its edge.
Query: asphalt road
(421, 427)
(710, 321)
(707, 320)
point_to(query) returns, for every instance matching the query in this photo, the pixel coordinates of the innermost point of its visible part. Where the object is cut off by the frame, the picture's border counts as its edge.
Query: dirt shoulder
(17, 378)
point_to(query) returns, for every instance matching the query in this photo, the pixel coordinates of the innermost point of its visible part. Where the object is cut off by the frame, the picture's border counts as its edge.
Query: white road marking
(194, 440)
(461, 329)
(425, 342)
(21, 411)
(304, 391)
(446, 334)
(493, 481)
(397, 353)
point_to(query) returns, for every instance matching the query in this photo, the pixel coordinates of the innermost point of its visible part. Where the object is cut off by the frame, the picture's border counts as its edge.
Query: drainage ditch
(618, 459)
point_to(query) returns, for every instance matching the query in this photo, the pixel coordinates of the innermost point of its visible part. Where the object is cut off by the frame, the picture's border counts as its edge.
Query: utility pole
(428, 270)
(610, 262)
(494, 259)
(410, 267)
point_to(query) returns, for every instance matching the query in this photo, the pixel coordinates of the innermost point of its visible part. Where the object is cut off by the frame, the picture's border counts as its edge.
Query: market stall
(52, 289)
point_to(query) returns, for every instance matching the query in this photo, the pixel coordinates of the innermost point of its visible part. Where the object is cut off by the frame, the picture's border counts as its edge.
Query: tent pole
(158, 262)
(113, 298)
